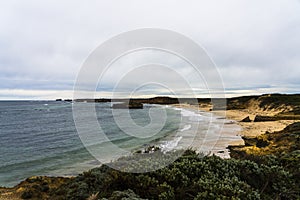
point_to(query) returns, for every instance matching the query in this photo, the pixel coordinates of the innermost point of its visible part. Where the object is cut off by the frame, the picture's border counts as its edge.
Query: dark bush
(193, 176)
(28, 194)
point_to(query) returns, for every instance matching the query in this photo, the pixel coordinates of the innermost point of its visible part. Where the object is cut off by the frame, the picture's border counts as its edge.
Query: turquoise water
(40, 138)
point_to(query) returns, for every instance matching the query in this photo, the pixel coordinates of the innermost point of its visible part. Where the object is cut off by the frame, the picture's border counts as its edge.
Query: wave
(191, 115)
(170, 145)
(186, 127)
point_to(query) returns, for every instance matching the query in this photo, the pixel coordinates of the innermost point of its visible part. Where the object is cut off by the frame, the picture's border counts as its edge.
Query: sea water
(40, 137)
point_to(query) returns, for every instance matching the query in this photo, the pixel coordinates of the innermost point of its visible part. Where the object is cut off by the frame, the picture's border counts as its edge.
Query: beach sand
(216, 142)
(253, 129)
(230, 131)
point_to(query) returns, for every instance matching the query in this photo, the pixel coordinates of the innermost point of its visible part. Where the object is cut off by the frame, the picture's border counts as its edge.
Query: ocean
(40, 137)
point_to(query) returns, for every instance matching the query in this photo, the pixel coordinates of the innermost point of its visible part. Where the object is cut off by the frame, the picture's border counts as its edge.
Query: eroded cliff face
(271, 103)
(271, 107)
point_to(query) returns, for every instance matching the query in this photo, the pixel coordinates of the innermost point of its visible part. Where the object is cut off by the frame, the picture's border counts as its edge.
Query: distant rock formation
(102, 100)
(280, 106)
(164, 100)
(131, 105)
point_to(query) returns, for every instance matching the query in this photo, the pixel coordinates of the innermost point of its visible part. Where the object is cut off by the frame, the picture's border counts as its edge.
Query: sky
(254, 44)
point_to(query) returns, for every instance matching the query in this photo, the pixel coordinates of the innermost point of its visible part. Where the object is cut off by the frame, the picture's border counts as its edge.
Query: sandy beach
(249, 129)
(253, 129)
(233, 129)
(216, 142)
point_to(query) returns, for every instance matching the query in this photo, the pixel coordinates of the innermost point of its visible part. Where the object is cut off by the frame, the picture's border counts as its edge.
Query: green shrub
(193, 176)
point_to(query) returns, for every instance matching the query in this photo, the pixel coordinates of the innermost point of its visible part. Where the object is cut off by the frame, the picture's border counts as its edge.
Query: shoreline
(234, 118)
(229, 133)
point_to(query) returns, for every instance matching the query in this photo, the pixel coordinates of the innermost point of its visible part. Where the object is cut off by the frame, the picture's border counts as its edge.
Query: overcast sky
(255, 44)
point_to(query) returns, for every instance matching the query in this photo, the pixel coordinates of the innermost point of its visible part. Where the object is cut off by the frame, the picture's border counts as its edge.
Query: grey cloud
(254, 43)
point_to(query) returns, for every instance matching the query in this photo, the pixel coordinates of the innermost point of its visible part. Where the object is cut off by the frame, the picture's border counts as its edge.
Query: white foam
(170, 145)
(186, 127)
(192, 115)
(211, 134)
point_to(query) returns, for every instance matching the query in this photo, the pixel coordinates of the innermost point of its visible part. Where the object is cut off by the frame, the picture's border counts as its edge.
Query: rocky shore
(270, 143)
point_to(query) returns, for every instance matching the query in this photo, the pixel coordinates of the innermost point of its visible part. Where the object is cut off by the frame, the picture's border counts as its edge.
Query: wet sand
(228, 134)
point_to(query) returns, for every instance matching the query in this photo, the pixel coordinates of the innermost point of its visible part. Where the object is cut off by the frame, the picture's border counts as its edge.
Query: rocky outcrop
(260, 118)
(246, 119)
(285, 141)
(255, 141)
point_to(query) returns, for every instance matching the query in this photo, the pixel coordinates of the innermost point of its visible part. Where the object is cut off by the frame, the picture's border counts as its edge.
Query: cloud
(43, 44)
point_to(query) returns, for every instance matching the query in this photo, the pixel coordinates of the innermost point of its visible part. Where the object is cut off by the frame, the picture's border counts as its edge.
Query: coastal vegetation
(269, 170)
(192, 176)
